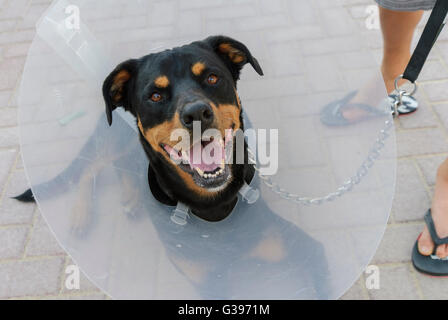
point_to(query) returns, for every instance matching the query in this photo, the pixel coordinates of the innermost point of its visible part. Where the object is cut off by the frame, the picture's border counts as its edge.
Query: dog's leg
(82, 211)
(131, 194)
(270, 249)
(194, 271)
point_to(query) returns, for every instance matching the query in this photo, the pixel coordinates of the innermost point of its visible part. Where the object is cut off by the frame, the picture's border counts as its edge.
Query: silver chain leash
(363, 170)
(347, 186)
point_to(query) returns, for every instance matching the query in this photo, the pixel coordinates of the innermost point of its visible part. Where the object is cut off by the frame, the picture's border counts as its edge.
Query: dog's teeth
(201, 173)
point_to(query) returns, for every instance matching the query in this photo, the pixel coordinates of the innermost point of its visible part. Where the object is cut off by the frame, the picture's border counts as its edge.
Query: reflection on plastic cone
(91, 180)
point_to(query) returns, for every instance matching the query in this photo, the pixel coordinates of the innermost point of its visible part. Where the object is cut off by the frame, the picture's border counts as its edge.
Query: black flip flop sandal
(331, 114)
(430, 265)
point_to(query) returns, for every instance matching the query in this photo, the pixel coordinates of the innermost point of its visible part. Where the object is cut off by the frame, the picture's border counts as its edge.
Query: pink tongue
(209, 160)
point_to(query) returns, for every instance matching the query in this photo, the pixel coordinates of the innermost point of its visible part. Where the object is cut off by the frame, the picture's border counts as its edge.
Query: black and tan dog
(172, 90)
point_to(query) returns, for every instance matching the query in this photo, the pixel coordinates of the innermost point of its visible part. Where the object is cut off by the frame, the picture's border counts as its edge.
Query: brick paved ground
(33, 266)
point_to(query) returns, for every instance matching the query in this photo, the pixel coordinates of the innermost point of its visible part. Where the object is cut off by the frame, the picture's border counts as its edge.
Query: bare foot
(439, 215)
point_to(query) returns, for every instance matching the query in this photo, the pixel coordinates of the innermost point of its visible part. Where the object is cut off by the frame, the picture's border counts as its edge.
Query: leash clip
(401, 93)
(405, 92)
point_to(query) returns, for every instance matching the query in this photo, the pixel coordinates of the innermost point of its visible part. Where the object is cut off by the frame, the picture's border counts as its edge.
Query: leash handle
(435, 24)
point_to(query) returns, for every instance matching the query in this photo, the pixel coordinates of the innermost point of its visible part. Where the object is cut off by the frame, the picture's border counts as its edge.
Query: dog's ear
(234, 54)
(117, 86)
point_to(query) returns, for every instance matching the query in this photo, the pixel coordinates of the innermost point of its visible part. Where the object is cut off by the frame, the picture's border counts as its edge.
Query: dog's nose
(197, 112)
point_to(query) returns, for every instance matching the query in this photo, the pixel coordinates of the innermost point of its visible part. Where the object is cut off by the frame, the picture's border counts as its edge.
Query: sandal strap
(343, 102)
(362, 106)
(432, 230)
(367, 108)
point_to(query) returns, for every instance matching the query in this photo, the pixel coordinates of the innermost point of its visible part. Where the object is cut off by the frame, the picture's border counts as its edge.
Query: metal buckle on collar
(182, 211)
(181, 214)
(249, 194)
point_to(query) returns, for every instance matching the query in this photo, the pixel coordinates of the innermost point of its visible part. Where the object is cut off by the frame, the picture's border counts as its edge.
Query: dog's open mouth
(205, 161)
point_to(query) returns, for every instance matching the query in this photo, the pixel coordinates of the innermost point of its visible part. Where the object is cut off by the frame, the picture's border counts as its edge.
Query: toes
(442, 251)
(425, 243)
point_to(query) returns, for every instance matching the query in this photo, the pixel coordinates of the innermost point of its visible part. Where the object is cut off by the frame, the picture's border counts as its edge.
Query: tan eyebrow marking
(198, 68)
(162, 82)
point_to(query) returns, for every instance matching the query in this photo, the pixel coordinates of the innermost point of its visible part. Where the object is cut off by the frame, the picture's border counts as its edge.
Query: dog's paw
(132, 206)
(133, 210)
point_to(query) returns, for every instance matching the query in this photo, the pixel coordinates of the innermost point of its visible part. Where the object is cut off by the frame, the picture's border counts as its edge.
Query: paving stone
(397, 243)
(337, 21)
(8, 25)
(18, 36)
(13, 211)
(294, 33)
(229, 12)
(8, 117)
(436, 91)
(433, 70)
(433, 288)
(13, 242)
(357, 60)
(356, 292)
(423, 118)
(9, 137)
(411, 199)
(421, 142)
(442, 111)
(30, 277)
(19, 163)
(42, 241)
(358, 12)
(442, 46)
(257, 23)
(33, 13)
(159, 14)
(396, 282)
(7, 158)
(429, 166)
(11, 70)
(268, 6)
(328, 46)
(5, 96)
(13, 101)
(14, 9)
(194, 4)
(17, 50)
(194, 22)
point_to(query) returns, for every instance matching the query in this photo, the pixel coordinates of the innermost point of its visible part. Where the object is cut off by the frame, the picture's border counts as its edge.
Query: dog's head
(179, 89)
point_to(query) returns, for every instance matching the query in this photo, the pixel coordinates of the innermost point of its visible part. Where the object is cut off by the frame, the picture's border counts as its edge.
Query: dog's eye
(156, 97)
(212, 79)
